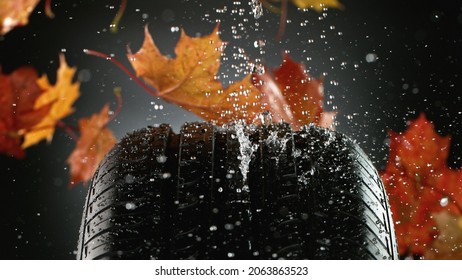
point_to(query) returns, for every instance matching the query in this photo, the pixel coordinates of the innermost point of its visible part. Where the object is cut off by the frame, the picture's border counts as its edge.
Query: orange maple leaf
(94, 142)
(63, 95)
(15, 13)
(18, 110)
(189, 80)
(418, 182)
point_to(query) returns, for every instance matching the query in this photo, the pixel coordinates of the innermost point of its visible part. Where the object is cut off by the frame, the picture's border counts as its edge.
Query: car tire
(236, 192)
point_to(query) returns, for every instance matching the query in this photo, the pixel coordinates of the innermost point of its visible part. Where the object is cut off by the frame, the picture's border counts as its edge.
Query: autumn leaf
(281, 7)
(448, 244)
(94, 142)
(317, 5)
(189, 80)
(418, 183)
(293, 96)
(63, 95)
(15, 13)
(19, 111)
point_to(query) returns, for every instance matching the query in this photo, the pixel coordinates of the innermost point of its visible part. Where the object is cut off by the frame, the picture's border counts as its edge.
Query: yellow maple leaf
(189, 79)
(62, 95)
(448, 244)
(15, 13)
(317, 5)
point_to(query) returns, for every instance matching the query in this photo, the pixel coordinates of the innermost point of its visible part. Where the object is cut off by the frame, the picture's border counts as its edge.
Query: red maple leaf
(18, 113)
(293, 96)
(419, 183)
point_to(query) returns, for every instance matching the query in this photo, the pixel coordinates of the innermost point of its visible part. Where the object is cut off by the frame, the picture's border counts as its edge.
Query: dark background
(418, 45)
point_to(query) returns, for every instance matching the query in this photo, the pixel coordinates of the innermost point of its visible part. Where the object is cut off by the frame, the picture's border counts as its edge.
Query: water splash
(257, 8)
(246, 149)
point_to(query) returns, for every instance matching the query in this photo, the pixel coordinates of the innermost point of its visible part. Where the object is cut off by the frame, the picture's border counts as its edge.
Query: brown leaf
(94, 142)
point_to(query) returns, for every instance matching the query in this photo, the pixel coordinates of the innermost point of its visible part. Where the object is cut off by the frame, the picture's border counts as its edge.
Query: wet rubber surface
(236, 192)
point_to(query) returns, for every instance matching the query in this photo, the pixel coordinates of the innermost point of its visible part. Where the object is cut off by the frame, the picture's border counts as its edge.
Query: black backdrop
(417, 45)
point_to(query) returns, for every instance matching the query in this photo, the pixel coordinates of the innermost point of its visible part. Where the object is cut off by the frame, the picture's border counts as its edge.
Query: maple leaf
(18, 110)
(15, 13)
(63, 95)
(317, 5)
(417, 180)
(293, 96)
(189, 80)
(94, 142)
(448, 244)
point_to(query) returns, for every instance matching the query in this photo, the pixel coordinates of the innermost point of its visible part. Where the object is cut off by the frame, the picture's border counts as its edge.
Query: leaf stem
(114, 27)
(48, 10)
(118, 94)
(123, 68)
(70, 130)
(282, 20)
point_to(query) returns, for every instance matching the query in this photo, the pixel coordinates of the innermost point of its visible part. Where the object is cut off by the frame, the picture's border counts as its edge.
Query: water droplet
(129, 179)
(258, 69)
(371, 57)
(84, 75)
(444, 202)
(229, 226)
(161, 159)
(259, 43)
(246, 149)
(257, 8)
(130, 206)
(266, 118)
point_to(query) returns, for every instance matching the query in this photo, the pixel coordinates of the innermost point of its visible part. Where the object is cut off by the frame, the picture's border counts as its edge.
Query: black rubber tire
(311, 194)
